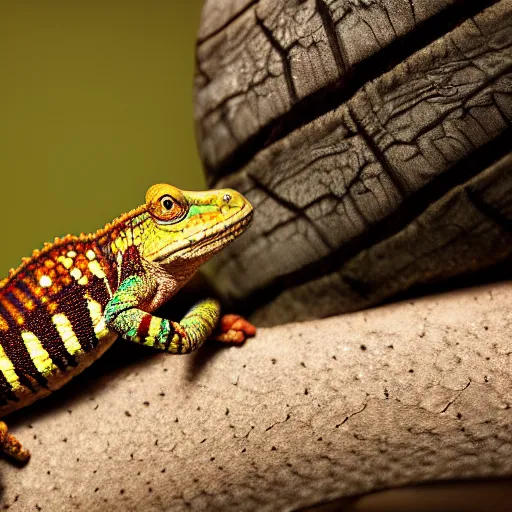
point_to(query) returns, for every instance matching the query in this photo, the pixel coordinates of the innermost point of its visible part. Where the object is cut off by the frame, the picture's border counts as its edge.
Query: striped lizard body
(64, 306)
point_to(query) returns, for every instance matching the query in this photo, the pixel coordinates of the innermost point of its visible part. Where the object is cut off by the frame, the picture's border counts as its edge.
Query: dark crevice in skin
(228, 22)
(503, 114)
(332, 36)
(390, 172)
(335, 94)
(488, 210)
(299, 213)
(283, 54)
(413, 206)
(413, 10)
(493, 273)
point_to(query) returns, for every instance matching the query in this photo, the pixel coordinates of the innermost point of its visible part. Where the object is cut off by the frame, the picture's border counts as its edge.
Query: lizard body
(63, 307)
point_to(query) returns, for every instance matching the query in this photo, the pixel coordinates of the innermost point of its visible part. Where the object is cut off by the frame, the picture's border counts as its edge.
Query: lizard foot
(12, 447)
(234, 329)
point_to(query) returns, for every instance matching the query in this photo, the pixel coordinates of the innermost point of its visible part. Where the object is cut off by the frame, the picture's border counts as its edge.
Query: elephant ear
(372, 137)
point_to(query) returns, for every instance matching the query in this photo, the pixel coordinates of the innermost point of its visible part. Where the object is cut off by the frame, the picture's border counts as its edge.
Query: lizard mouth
(210, 240)
(216, 241)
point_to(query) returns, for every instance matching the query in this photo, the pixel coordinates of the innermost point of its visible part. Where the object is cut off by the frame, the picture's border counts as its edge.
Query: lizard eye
(167, 203)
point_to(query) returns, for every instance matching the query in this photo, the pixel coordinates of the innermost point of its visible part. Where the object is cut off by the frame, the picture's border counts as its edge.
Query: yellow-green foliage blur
(95, 106)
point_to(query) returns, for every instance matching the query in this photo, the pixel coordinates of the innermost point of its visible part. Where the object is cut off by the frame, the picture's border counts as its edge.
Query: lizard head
(185, 225)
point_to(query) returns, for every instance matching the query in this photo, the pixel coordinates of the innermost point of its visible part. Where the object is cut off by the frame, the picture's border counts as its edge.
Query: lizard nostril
(226, 198)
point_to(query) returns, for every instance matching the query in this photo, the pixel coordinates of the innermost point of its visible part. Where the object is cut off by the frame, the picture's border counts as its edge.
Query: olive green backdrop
(95, 106)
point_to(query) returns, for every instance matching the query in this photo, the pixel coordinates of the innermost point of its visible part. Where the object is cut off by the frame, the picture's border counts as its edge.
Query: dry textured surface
(365, 182)
(305, 413)
(257, 59)
(217, 16)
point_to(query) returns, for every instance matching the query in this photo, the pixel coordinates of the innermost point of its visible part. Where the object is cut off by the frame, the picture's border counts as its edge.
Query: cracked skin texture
(355, 127)
(413, 392)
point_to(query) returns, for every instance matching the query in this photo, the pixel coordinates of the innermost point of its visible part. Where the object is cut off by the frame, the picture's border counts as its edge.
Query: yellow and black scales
(64, 306)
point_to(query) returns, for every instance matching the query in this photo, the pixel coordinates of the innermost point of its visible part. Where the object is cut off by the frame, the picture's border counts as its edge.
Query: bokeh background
(95, 106)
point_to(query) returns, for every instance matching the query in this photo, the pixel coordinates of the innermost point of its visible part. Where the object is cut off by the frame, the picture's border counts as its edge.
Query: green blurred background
(95, 106)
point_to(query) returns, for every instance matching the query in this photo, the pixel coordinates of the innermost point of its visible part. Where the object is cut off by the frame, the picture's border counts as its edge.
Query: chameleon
(63, 307)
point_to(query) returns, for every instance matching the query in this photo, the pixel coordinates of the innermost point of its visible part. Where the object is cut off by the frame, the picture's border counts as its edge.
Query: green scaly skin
(64, 306)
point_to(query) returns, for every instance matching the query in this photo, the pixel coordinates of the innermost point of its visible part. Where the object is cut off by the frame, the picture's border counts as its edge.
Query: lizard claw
(234, 329)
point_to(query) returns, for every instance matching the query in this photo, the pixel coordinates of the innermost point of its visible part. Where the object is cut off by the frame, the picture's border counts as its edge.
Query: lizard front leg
(124, 316)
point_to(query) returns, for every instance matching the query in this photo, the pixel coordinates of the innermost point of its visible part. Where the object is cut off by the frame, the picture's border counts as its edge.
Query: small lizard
(64, 306)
